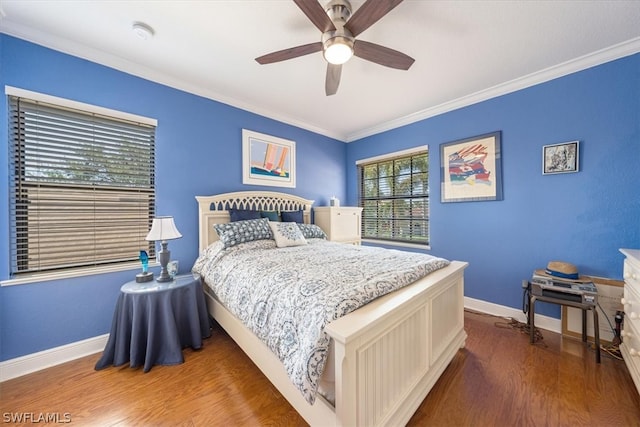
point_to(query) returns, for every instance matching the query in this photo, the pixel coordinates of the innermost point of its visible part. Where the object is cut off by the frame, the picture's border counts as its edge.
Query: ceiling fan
(339, 31)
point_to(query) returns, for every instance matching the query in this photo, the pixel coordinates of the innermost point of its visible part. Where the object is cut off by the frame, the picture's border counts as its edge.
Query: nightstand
(154, 321)
(341, 223)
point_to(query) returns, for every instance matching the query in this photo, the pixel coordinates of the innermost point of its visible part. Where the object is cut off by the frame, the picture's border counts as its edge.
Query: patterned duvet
(287, 295)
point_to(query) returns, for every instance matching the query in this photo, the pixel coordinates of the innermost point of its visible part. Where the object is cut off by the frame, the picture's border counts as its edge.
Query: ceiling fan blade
(333, 79)
(382, 55)
(368, 14)
(316, 14)
(292, 52)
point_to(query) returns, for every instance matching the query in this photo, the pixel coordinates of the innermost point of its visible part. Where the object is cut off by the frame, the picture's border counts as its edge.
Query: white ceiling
(465, 51)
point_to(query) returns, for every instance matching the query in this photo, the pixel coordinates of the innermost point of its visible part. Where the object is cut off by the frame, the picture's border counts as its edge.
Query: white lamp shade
(163, 228)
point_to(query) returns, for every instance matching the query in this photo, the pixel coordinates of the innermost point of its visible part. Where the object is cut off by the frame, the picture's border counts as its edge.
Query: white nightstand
(342, 224)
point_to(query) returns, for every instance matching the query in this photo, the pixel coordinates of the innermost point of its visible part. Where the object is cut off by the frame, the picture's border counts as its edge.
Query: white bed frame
(388, 354)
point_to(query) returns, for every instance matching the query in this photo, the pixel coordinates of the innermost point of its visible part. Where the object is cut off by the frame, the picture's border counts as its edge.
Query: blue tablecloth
(153, 322)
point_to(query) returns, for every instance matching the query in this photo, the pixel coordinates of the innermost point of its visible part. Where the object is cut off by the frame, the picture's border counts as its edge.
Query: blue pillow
(243, 214)
(312, 231)
(292, 216)
(272, 215)
(233, 233)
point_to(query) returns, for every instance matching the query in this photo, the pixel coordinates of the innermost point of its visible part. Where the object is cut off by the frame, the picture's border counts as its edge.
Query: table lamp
(163, 229)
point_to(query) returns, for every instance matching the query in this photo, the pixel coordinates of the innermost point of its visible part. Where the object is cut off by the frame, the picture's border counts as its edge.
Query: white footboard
(390, 353)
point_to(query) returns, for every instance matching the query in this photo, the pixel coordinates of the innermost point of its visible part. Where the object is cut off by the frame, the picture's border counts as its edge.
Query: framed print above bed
(560, 158)
(471, 169)
(268, 160)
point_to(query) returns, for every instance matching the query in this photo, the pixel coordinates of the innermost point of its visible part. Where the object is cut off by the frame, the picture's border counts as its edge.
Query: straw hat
(563, 271)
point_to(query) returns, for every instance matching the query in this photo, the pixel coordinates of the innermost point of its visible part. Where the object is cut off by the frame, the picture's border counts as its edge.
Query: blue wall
(582, 218)
(198, 152)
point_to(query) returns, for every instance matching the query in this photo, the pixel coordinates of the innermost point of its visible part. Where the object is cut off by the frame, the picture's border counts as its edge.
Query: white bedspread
(287, 295)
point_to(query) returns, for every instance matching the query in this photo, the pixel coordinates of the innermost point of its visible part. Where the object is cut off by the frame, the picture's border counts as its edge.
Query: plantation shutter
(82, 187)
(394, 195)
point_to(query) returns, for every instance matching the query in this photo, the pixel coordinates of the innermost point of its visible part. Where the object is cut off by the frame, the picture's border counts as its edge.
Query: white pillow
(287, 234)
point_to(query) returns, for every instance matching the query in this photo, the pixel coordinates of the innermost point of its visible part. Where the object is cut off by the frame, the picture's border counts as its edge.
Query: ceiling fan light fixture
(339, 31)
(338, 50)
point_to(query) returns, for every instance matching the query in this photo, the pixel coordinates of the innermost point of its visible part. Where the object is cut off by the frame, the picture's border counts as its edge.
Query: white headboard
(214, 209)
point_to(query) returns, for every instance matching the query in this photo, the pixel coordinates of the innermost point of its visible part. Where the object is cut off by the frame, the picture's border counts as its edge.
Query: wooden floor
(498, 379)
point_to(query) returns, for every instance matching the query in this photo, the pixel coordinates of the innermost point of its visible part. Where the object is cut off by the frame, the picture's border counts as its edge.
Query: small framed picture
(268, 160)
(560, 158)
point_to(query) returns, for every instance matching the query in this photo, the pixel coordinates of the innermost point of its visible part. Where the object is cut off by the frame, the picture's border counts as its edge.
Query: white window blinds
(82, 187)
(394, 195)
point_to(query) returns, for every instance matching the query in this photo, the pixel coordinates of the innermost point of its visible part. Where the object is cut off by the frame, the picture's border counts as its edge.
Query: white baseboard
(24, 365)
(542, 322)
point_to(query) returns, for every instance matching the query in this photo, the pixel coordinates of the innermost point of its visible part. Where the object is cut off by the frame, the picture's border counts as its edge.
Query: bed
(386, 356)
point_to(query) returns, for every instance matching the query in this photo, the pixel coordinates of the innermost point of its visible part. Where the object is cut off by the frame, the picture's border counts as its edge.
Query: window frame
(76, 271)
(397, 155)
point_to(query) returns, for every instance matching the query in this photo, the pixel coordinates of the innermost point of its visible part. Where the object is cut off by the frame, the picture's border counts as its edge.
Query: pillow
(272, 215)
(312, 231)
(292, 216)
(243, 214)
(233, 233)
(287, 234)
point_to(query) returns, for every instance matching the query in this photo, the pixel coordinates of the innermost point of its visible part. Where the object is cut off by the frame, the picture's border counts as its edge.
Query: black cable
(607, 317)
(525, 298)
(614, 349)
(524, 328)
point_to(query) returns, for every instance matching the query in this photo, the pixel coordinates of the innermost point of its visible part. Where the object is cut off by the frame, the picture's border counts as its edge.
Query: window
(82, 187)
(394, 195)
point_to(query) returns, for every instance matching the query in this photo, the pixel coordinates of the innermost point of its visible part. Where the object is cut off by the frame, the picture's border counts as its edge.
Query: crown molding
(112, 61)
(599, 57)
(621, 50)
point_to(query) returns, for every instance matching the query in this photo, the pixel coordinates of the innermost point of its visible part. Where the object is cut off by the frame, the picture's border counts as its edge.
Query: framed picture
(560, 158)
(471, 169)
(268, 160)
